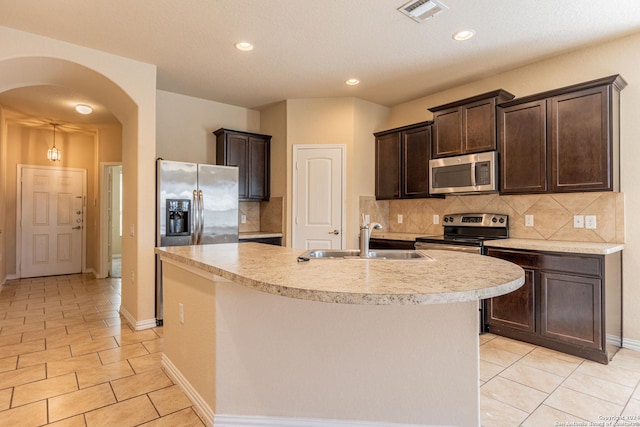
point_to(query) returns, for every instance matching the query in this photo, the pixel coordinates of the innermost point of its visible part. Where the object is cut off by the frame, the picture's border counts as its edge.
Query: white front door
(51, 221)
(318, 197)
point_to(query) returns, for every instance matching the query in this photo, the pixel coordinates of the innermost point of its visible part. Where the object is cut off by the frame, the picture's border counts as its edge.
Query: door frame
(83, 249)
(102, 269)
(343, 172)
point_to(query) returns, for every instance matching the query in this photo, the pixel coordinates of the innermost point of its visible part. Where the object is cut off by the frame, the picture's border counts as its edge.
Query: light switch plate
(578, 221)
(400, 219)
(528, 220)
(436, 219)
(590, 222)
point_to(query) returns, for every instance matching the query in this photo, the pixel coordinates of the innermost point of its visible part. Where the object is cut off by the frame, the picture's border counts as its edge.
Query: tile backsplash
(261, 216)
(552, 213)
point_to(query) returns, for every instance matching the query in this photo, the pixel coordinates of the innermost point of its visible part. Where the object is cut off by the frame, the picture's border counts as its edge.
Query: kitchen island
(257, 338)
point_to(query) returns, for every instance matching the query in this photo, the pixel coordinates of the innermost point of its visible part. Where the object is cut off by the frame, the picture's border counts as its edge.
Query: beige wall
(616, 57)
(185, 126)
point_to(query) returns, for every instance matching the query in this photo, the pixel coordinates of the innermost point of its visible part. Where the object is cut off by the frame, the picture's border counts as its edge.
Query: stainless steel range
(467, 232)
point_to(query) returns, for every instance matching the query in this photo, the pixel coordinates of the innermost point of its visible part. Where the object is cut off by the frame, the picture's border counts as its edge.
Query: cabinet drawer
(589, 265)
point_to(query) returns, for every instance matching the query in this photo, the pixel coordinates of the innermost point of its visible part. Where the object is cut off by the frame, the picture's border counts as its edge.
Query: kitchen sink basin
(355, 254)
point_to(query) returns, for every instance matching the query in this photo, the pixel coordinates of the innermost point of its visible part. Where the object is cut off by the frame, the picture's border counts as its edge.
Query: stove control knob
(501, 220)
(446, 219)
(494, 219)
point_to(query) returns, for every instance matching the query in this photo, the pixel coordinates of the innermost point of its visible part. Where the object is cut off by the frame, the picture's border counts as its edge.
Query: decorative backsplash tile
(271, 215)
(252, 212)
(553, 214)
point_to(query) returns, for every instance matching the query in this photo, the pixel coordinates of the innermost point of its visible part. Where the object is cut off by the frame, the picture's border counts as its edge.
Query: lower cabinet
(377, 243)
(277, 241)
(569, 302)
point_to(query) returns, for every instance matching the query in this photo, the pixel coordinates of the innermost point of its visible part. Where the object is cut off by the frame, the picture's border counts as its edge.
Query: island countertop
(441, 277)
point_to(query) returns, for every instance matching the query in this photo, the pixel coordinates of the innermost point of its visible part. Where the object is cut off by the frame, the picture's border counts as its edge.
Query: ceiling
(307, 49)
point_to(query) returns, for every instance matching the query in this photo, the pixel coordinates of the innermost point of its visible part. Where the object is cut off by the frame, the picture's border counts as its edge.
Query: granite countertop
(443, 277)
(557, 246)
(258, 235)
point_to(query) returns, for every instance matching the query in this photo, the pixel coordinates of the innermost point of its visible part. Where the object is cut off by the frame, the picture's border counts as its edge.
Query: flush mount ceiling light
(464, 35)
(84, 109)
(421, 10)
(352, 82)
(54, 154)
(244, 46)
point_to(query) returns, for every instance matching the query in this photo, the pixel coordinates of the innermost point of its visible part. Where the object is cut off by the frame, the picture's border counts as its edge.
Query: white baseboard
(202, 408)
(631, 344)
(137, 325)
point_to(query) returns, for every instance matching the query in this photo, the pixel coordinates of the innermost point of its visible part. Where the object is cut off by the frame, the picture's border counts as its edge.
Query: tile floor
(530, 386)
(68, 359)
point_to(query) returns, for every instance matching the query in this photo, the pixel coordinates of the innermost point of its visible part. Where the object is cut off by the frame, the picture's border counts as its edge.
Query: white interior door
(51, 221)
(318, 191)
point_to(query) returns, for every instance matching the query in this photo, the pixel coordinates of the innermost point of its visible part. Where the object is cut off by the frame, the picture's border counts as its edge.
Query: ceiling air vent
(421, 10)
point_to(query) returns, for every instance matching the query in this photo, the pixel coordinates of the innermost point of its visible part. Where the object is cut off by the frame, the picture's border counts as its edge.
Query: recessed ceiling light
(352, 82)
(244, 46)
(84, 109)
(464, 35)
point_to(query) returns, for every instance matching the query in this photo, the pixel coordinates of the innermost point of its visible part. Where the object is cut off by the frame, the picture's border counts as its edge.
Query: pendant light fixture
(54, 154)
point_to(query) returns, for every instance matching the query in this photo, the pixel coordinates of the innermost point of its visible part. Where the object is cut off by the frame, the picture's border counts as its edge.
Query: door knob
(78, 212)
(76, 228)
(334, 232)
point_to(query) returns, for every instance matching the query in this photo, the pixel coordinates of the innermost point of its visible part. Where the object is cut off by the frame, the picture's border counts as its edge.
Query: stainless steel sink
(355, 254)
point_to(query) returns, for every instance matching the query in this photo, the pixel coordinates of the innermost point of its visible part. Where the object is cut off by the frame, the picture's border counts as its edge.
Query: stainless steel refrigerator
(196, 204)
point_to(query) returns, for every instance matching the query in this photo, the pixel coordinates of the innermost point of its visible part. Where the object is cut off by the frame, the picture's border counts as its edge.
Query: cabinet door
(515, 309)
(236, 155)
(388, 166)
(447, 133)
(258, 172)
(580, 141)
(415, 162)
(522, 142)
(571, 310)
(479, 126)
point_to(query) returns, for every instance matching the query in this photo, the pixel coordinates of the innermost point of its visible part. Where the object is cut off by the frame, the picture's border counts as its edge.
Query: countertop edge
(557, 246)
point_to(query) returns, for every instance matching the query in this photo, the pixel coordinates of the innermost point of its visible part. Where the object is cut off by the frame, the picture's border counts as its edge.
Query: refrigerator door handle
(201, 222)
(194, 229)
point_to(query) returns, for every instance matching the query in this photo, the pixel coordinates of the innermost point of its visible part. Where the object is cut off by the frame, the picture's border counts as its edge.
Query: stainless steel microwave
(469, 173)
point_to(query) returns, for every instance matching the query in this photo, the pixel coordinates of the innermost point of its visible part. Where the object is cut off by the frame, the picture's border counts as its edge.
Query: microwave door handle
(473, 174)
(194, 228)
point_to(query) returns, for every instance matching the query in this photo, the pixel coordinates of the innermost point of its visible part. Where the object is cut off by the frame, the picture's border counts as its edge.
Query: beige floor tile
(94, 346)
(146, 363)
(512, 393)
(581, 405)
(22, 376)
(12, 321)
(30, 318)
(80, 401)
(43, 389)
(76, 338)
(86, 326)
(110, 331)
(67, 321)
(43, 356)
(631, 411)
(103, 374)
(5, 398)
(512, 346)
(34, 414)
(549, 363)
(498, 356)
(489, 370)
(184, 418)
(11, 339)
(27, 327)
(159, 331)
(44, 333)
(611, 373)
(494, 413)
(547, 416)
(154, 346)
(114, 321)
(146, 382)
(77, 421)
(559, 355)
(169, 400)
(73, 364)
(8, 364)
(131, 412)
(532, 377)
(597, 387)
(136, 337)
(122, 353)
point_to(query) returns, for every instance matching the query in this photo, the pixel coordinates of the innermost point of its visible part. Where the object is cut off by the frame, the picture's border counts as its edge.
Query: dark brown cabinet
(564, 140)
(402, 162)
(569, 302)
(379, 243)
(466, 126)
(250, 152)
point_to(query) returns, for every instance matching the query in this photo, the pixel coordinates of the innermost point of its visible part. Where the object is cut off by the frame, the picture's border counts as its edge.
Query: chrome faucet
(365, 235)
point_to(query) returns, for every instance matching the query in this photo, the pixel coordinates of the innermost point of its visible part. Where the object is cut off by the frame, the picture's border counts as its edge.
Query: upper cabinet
(466, 126)
(565, 140)
(402, 162)
(250, 152)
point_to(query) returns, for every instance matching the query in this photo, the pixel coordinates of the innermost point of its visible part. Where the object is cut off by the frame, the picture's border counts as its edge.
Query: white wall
(185, 126)
(616, 57)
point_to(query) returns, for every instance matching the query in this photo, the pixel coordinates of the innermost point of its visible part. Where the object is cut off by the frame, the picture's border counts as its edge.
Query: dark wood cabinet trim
(500, 95)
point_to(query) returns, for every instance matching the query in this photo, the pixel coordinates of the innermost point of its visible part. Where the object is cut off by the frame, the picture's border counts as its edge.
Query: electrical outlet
(528, 220)
(590, 222)
(132, 230)
(578, 221)
(243, 219)
(181, 312)
(367, 219)
(133, 276)
(400, 219)
(436, 219)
